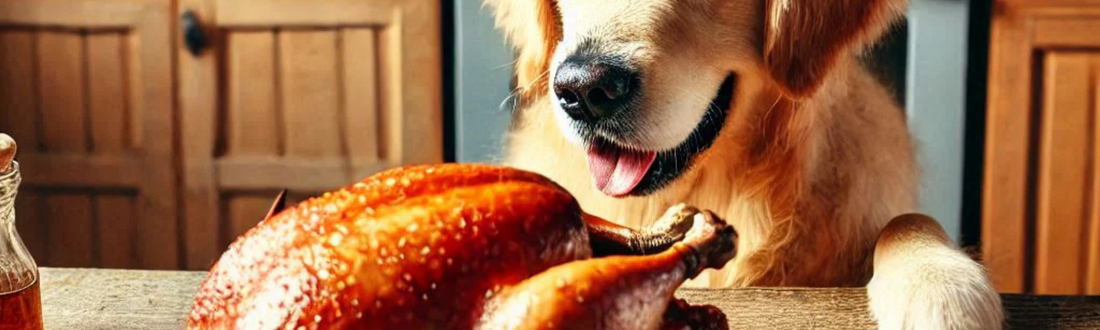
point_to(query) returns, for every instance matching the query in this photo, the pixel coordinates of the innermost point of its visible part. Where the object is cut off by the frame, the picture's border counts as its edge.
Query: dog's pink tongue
(617, 171)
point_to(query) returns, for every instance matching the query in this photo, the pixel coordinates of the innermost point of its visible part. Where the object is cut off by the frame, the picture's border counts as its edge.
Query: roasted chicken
(460, 246)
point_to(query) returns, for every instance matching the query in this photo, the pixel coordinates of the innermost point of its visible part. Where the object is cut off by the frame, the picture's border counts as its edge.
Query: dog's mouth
(618, 171)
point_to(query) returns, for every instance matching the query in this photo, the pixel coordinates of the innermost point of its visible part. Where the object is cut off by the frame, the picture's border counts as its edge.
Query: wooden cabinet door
(86, 90)
(1066, 253)
(1041, 196)
(303, 95)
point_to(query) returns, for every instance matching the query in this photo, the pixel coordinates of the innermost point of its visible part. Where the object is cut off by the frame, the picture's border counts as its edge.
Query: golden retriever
(759, 110)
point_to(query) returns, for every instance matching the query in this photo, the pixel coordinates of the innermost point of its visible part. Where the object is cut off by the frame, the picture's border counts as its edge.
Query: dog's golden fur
(814, 159)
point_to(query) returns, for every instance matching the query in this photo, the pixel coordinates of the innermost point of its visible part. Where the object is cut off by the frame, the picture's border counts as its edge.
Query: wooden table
(86, 299)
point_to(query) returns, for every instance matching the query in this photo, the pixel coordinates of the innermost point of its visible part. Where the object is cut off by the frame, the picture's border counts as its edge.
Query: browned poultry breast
(452, 247)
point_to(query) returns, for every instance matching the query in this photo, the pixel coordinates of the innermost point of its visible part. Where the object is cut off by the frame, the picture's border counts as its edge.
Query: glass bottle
(20, 299)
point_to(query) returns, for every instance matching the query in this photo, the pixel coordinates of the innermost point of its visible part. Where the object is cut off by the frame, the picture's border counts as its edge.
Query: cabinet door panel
(18, 105)
(310, 93)
(251, 99)
(1063, 192)
(1092, 233)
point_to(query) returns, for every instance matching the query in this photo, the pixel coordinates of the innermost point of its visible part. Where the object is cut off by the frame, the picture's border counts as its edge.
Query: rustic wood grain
(18, 106)
(117, 217)
(62, 102)
(1092, 275)
(1063, 166)
(107, 92)
(421, 71)
(1052, 312)
(70, 230)
(309, 93)
(360, 64)
(30, 223)
(268, 173)
(1067, 32)
(61, 91)
(199, 84)
(79, 171)
(88, 92)
(253, 129)
(271, 13)
(1005, 185)
(85, 299)
(788, 308)
(70, 14)
(157, 243)
(115, 214)
(409, 75)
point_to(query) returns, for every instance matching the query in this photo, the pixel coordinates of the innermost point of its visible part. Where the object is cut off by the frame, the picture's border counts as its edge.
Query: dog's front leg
(921, 281)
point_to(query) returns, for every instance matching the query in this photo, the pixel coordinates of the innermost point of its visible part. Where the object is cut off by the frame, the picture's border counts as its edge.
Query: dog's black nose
(590, 90)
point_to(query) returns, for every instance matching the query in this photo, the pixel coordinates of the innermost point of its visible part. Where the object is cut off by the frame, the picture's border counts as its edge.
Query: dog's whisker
(538, 78)
(510, 103)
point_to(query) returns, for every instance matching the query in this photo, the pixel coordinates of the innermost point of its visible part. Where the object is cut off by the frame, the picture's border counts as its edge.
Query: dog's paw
(921, 282)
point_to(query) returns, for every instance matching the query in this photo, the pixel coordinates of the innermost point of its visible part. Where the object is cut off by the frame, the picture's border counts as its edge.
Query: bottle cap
(7, 152)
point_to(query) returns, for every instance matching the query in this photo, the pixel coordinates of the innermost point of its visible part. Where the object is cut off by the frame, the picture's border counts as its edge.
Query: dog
(758, 110)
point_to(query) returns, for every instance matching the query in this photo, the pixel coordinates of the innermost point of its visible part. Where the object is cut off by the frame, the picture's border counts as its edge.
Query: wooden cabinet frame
(137, 153)
(147, 165)
(1023, 32)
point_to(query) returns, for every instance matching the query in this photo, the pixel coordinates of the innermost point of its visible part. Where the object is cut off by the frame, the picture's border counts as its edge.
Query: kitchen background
(155, 131)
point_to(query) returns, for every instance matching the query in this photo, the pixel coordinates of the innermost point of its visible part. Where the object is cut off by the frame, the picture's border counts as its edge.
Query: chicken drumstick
(427, 247)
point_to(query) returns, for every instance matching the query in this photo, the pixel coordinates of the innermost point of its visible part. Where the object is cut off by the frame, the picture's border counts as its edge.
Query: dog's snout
(590, 90)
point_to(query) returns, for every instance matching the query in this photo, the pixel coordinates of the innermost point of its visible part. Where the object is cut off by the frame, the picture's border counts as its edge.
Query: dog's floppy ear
(804, 38)
(534, 28)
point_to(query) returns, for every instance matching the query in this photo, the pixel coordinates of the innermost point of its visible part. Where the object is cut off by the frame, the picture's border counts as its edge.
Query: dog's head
(647, 85)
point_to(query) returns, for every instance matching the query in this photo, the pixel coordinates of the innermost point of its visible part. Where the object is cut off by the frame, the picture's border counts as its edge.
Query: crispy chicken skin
(426, 247)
